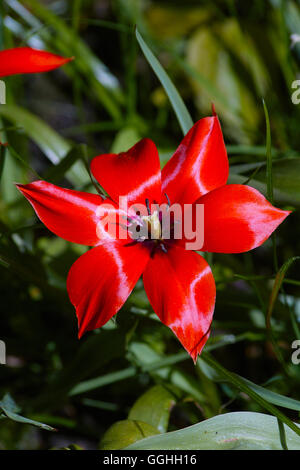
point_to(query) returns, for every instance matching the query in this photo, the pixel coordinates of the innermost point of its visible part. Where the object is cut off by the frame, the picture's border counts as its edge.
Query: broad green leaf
(178, 105)
(231, 431)
(154, 407)
(124, 433)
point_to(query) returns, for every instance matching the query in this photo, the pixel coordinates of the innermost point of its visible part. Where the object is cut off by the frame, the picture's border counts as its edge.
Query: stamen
(148, 206)
(167, 197)
(164, 249)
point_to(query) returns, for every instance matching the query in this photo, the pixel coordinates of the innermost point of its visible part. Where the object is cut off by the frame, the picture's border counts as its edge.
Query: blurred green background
(232, 53)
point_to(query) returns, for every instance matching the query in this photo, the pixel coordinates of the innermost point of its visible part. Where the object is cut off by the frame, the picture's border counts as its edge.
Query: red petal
(72, 215)
(199, 165)
(238, 218)
(135, 173)
(181, 290)
(100, 281)
(27, 60)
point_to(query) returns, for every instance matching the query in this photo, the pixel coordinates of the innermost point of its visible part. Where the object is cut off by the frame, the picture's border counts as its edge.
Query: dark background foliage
(232, 53)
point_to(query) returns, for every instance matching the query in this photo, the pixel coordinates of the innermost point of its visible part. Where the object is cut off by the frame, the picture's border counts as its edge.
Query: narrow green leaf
(50, 142)
(57, 172)
(272, 397)
(106, 379)
(11, 410)
(276, 287)
(54, 146)
(21, 419)
(178, 105)
(241, 385)
(2, 158)
(282, 435)
(269, 156)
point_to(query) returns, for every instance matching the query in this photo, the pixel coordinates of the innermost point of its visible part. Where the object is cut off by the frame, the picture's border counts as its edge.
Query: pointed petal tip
(283, 214)
(68, 59)
(21, 60)
(80, 333)
(81, 327)
(19, 186)
(197, 350)
(213, 109)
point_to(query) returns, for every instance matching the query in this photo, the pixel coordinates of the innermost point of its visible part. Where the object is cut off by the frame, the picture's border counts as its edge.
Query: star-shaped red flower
(179, 283)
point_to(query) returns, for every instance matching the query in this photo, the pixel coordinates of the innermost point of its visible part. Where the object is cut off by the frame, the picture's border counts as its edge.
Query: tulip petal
(100, 281)
(73, 215)
(135, 173)
(199, 165)
(181, 289)
(238, 218)
(27, 60)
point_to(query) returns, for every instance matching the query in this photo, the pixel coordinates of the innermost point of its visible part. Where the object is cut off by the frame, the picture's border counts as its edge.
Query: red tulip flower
(178, 282)
(27, 60)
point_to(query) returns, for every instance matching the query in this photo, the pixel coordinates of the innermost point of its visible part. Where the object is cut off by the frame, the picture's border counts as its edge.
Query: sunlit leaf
(123, 433)
(154, 407)
(234, 431)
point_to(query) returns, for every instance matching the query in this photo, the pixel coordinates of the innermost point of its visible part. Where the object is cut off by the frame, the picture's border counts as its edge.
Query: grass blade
(178, 105)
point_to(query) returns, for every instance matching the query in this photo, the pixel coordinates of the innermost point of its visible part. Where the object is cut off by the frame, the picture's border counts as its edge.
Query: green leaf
(50, 142)
(269, 156)
(124, 433)
(215, 77)
(103, 380)
(104, 85)
(268, 395)
(10, 410)
(178, 105)
(154, 407)
(276, 287)
(286, 181)
(240, 384)
(125, 138)
(57, 172)
(234, 431)
(2, 157)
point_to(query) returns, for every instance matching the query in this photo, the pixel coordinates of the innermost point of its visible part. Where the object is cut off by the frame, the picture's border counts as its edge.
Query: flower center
(149, 229)
(153, 225)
